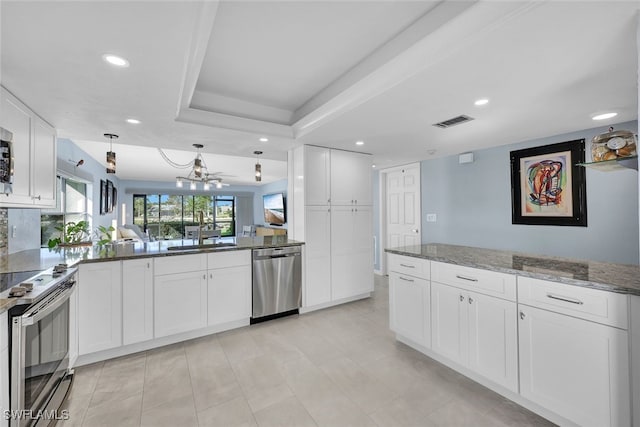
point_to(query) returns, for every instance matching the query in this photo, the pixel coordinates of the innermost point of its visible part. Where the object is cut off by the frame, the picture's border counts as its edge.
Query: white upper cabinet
(317, 170)
(350, 178)
(34, 152)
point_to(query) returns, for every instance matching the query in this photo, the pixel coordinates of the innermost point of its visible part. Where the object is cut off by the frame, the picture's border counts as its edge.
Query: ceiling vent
(454, 121)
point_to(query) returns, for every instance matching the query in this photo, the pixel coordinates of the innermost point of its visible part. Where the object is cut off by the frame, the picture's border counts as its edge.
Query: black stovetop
(8, 280)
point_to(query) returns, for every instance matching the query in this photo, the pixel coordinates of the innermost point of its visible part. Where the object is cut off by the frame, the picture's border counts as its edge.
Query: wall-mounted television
(274, 209)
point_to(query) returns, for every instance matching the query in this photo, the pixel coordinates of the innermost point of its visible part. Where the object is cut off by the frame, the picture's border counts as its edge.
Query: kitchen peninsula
(558, 336)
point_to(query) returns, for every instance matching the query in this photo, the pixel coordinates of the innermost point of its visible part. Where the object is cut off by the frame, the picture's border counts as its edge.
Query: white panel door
(575, 368)
(99, 306)
(180, 303)
(449, 313)
(317, 175)
(317, 249)
(229, 294)
(493, 339)
(403, 210)
(409, 307)
(137, 300)
(44, 164)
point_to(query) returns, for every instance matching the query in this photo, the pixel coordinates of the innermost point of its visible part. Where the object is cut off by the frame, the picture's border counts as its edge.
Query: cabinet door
(361, 175)
(180, 303)
(449, 322)
(409, 307)
(73, 327)
(493, 342)
(317, 248)
(317, 176)
(362, 258)
(44, 164)
(137, 300)
(229, 294)
(4, 365)
(16, 118)
(343, 177)
(575, 368)
(99, 306)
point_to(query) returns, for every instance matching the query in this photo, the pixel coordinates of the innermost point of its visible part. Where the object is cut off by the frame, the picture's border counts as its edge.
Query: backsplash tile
(4, 231)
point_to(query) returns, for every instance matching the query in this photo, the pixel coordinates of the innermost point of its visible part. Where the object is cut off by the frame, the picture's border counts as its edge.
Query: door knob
(415, 230)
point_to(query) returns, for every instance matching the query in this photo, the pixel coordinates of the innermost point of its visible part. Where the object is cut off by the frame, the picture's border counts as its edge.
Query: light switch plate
(431, 217)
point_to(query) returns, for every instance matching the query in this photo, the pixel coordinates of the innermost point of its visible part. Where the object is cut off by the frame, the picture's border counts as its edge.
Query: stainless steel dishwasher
(277, 282)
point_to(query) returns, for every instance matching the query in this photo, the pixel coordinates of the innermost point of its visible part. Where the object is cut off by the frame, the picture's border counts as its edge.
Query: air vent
(454, 121)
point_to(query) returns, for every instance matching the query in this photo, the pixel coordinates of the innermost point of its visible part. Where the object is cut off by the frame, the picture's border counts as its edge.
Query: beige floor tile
(213, 385)
(515, 415)
(260, 399)
(461, 414)
(180, 412)
(239, 346)
(234, 413)
(400, 413)
(286, 413)
(165, 389)
(205, 350)
(260, 372)
(120, 413)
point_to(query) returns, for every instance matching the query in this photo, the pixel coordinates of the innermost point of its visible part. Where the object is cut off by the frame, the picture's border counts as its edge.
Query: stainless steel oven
(39, 352)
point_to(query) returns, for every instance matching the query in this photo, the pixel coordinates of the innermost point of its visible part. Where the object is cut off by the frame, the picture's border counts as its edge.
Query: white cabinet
(73, 327)
(351, 251)
(137, 300)
(350, 178)
(476, 331)
(317, 255)
(317, 185)
(99, 306)
(575, 367)
(410, 307)
(4, 365)
(34, 148)
(228, 287)
(180, 303)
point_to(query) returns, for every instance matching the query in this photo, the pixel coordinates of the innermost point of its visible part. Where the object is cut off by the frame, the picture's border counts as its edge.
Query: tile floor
(335, 367)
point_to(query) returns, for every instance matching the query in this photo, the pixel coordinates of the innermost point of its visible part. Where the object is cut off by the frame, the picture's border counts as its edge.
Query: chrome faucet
(200, 227)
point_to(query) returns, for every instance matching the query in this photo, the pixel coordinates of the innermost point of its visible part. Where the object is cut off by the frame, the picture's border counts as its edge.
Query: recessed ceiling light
(263, 139)
(133, 121)
(604, 116)
(483, 101)
(373, 166)
(359, 142)
(115, 60)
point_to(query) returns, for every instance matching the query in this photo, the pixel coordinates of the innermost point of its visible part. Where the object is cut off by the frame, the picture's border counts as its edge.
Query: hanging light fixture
(199, 172)
(258, 166)
(111, 156)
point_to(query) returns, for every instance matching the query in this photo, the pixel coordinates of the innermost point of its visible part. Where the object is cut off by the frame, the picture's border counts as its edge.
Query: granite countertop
(41, 259)
(620, 278)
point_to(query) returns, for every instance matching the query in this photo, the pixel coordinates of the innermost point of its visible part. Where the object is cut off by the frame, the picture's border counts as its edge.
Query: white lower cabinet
(449, 319)
(137, 300)
(317, 286)
(228, 287)
(409, 307)
(73, 327)
(99, 306)
(180, 303)
(576, 368)
(4, 366)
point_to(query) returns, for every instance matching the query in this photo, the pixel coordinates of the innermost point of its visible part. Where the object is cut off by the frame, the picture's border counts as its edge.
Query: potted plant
(71, 234)
(103, 234)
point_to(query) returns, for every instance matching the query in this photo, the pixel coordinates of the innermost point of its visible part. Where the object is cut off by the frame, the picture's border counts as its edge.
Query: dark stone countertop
(620, 278)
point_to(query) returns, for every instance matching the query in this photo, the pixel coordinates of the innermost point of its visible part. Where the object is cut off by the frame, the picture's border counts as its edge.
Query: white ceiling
(224, 74)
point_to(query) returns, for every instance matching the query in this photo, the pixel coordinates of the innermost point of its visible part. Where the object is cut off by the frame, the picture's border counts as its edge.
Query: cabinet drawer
(179, 264)
(228, 259)
(487, 282)
(596, 305)
(409, 265)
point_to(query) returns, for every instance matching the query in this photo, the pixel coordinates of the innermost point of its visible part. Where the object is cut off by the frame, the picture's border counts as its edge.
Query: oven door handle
(46, 307)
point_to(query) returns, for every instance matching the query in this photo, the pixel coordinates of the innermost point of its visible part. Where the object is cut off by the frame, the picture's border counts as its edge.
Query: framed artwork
(114, 199)
(103, 196)
(108, 202)
(547, 186)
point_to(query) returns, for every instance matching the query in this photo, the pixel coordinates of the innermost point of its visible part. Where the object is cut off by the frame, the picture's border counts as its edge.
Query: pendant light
(111, 156)
(258, 166)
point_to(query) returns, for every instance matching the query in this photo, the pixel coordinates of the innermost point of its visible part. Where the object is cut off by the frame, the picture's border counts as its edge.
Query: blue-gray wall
(274, 187)
(473, 206)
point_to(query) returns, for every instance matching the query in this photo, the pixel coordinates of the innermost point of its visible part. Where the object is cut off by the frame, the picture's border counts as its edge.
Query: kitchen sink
(203, 246)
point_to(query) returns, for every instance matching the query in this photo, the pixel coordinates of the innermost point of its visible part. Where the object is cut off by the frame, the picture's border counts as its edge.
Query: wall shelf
(611, 165)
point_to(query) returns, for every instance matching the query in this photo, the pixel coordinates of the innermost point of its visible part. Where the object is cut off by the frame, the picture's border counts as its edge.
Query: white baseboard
(333, 303)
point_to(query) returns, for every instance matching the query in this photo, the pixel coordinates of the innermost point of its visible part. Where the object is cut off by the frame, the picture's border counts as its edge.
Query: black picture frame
(103, 196)
(108, 197)
(552, 188)
(114, 199)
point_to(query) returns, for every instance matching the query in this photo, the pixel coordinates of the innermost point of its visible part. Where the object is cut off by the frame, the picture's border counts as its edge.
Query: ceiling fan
(199, 172)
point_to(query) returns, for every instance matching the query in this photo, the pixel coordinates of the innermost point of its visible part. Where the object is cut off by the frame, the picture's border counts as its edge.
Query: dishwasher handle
(276, 256)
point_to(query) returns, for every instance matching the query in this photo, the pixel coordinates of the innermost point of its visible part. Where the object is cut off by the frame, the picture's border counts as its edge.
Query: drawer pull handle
(407, 266)
(471, 279)
(565, 299)
(470, 300)
(461, 298)
(405, 279)
(522, 316)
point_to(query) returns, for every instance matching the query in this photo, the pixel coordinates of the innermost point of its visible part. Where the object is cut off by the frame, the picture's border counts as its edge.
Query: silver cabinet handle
(407, 266)
(210, 275)
(148, 265)
(565, 299)
(356, 201)
(471, 279)
(204, 276)
(470, 300)
(522, 316)
(461, 298)
(405, 279)
(415, 230)
(36, 198)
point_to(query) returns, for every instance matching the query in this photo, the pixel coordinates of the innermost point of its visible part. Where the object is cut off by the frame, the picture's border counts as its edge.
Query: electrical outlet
(14, 229)
(431, 217)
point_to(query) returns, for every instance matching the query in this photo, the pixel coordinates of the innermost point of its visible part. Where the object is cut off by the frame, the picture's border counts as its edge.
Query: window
(164, 216)
(71, 205)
